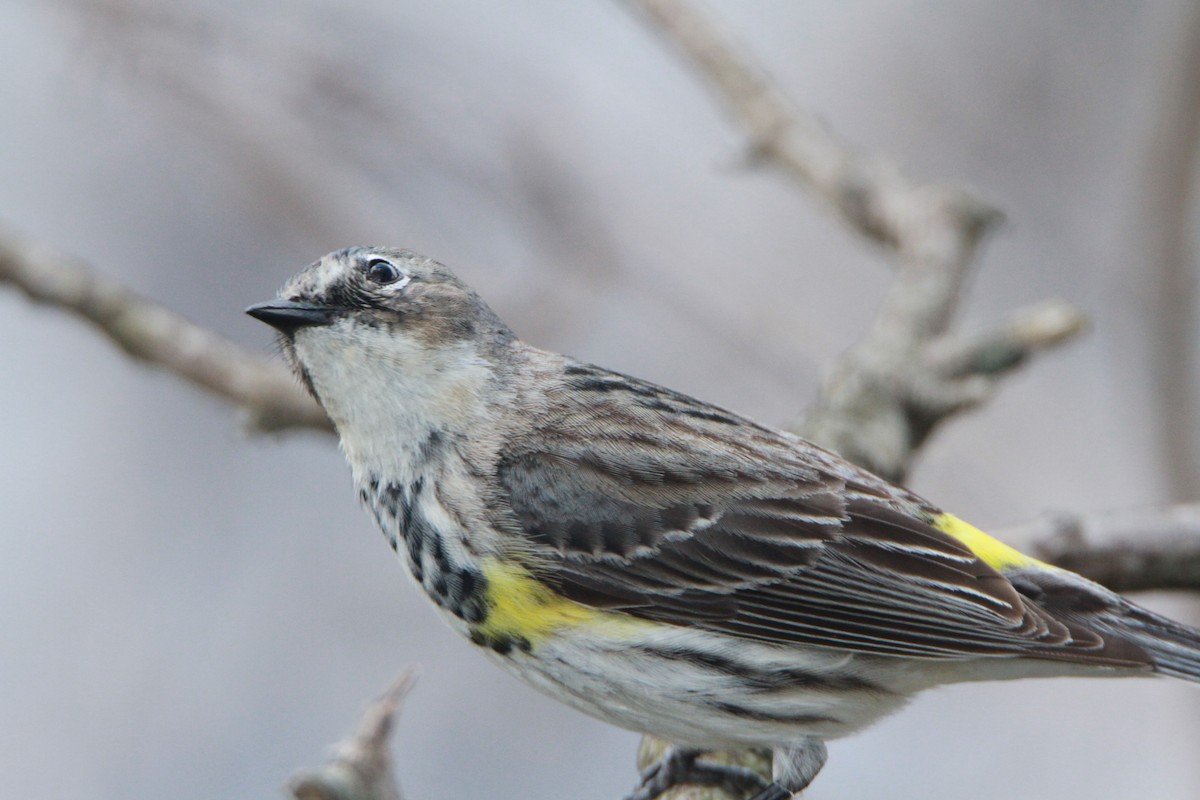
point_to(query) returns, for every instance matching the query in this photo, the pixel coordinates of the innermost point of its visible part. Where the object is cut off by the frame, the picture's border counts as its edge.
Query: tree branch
(1127, 551)
(266, 392)
(890, 391)
(868, 193)
(361, 768)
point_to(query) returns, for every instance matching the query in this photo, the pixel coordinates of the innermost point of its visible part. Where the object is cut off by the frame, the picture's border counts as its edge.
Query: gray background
(188, 613)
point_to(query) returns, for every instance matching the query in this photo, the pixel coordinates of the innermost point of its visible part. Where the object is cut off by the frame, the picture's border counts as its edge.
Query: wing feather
(682, 513)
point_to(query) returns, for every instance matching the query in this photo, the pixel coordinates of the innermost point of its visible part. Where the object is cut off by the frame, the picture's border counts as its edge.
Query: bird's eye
(382, 272)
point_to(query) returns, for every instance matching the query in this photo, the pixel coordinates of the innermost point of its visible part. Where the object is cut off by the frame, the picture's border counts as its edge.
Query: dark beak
(286, 316)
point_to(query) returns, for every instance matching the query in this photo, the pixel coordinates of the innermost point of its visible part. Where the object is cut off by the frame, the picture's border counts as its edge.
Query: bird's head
(384, 326)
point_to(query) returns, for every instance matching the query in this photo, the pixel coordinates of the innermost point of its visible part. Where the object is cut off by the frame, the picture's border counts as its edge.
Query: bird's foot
(680, 766)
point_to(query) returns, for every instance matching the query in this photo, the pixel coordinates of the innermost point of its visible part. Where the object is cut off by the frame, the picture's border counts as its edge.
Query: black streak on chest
(460, 589)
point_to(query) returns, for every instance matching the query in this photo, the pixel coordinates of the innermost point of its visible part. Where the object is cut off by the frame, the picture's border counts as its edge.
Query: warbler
(659, 562)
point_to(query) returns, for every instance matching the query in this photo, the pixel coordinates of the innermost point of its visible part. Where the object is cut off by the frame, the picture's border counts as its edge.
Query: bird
(657, 561)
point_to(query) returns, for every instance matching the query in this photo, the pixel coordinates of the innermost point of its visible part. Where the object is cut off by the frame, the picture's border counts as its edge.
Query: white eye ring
(386, 275)
(397, 286)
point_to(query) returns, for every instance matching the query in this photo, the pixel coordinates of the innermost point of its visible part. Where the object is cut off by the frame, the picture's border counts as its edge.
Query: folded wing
(679, 512)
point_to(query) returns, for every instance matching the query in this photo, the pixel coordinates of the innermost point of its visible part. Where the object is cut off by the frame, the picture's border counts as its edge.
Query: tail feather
(1175, 648)
(1130, 632)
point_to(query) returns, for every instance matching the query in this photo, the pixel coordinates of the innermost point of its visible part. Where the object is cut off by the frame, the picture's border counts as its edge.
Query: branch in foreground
(266, 392)
(361, 768)
(890, 391)
(1127, 551)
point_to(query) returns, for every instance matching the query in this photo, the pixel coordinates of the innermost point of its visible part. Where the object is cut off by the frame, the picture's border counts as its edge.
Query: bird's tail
(1175, 648)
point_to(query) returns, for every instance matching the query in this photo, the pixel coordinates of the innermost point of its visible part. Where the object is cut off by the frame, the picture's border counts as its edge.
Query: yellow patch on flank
(522, 607)
(994, 553)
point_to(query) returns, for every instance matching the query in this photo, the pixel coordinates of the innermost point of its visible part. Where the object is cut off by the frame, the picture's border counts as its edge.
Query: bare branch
(889, 392)
(145, 330)
(1127, 551)
(1007, 346)
(868, 193)
(886, 395)
(361, 768)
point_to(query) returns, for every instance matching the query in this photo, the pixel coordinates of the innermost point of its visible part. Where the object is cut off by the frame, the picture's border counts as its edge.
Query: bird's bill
(287, 316)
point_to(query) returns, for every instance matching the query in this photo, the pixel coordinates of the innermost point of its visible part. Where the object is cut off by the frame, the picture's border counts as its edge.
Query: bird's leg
(679, 766)
(793, 769)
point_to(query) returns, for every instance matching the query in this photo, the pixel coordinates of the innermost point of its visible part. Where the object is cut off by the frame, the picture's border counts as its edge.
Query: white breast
(386, 392)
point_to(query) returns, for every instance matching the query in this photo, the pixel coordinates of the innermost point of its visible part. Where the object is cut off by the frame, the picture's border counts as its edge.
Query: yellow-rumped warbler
(661, 563)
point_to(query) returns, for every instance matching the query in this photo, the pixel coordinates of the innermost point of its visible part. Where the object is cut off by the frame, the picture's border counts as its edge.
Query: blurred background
(189, 613)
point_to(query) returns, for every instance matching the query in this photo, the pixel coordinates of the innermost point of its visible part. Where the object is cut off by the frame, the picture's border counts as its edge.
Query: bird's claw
(680, 766)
